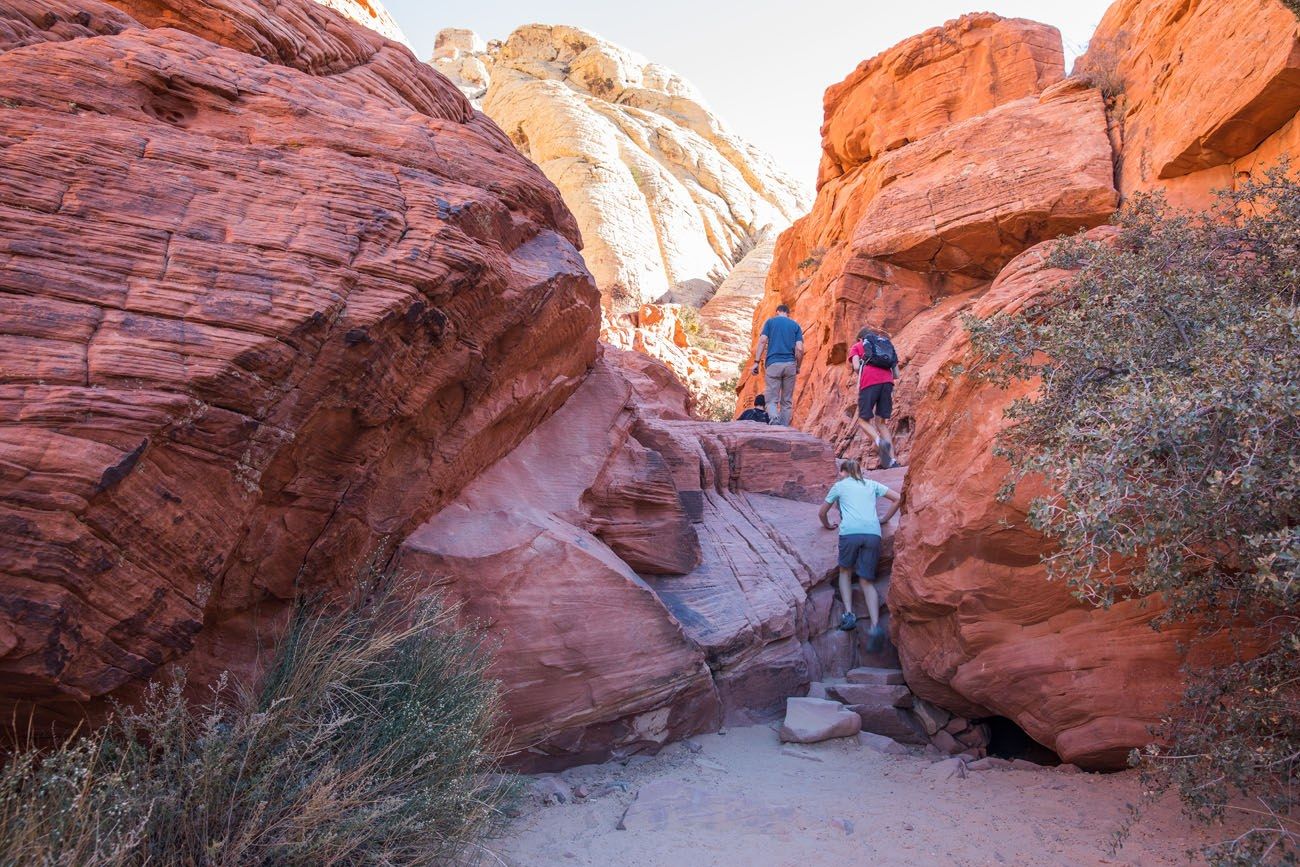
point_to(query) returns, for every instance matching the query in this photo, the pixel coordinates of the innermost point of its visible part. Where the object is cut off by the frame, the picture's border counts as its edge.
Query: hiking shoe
(848, 621)
(886, 454)
(876, 639)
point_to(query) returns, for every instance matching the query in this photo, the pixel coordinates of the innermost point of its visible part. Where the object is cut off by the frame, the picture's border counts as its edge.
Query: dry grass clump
(369, 741)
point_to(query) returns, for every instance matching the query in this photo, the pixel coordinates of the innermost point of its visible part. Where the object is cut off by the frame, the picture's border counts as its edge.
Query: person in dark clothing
(757, 412)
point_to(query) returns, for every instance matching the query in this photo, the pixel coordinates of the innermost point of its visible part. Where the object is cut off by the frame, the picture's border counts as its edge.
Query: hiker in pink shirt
(875, 362)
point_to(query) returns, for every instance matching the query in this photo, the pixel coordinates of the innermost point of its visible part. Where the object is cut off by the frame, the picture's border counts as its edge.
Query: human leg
(873, 601)
(786, 412)
(772, 389)
(884, 408)
(868, 555)
(848, 559)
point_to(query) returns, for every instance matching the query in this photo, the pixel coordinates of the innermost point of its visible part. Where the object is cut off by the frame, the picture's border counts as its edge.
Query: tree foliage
(1168, 424)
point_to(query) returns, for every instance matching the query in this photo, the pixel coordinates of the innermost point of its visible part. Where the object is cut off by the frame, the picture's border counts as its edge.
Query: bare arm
(824, 516)
(798, 355)
(759, 350)
(896, 503)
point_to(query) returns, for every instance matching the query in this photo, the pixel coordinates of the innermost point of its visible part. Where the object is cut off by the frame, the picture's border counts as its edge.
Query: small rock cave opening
(1009, 741)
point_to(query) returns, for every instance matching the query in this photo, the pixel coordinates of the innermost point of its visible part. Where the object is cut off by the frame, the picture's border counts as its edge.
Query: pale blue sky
(762, 65)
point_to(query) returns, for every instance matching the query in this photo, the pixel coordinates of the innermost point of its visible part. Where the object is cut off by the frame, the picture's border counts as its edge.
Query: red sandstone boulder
(980, 630)
(265, 281)
(944, 75)
(647, 577)
(1205, 91)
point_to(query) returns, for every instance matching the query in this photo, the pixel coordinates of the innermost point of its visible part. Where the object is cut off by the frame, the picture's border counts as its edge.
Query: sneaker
(876, 639)
(886, 454)
(848, 621)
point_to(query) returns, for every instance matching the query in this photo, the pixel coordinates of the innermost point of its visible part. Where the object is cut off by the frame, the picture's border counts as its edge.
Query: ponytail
(851, 467)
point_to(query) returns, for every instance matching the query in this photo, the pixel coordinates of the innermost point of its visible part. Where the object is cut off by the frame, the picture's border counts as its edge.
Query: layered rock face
(662, 192)
(265, 279)
(1203, 93)
(1204, 98)
(369, 13)
(944, 158)
(670, 579)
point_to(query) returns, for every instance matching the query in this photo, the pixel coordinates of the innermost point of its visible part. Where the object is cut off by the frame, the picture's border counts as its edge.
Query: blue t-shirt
(782, 334)
(857, 501)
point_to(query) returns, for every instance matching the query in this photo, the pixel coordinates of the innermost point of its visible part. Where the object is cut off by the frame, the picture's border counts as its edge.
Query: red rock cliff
(944, 158)
(265, 279)
(1200, 94)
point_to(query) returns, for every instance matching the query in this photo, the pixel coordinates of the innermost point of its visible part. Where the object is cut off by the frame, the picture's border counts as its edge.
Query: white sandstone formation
(663, 193)
(369, 13)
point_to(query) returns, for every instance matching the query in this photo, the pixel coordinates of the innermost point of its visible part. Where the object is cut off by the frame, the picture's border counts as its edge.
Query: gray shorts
(859, 552)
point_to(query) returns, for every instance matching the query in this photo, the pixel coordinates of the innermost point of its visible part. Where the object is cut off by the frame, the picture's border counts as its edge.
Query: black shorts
(860, 552)
(876, 400)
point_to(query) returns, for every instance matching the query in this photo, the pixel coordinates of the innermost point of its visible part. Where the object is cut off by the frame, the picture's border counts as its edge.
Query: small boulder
(976, 736)
(882, 744)
(874, 694)
(892, 722)
(809, 720)
(889, 676)
(931, 718)
(1022, 765)
(947, 742)
(1069, 769)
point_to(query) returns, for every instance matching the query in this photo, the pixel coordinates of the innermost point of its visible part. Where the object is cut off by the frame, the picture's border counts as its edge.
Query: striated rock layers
(1205, 96)
(663, 194)
(265, 279)
(1203, 93)
(943, 159)
(669, 579)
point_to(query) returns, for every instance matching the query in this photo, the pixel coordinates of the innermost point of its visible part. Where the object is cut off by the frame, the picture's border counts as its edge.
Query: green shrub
(368, 742)
(1168, 423)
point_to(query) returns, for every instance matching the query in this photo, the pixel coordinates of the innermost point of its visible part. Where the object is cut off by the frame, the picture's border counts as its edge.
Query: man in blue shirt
(780, 348)
(859, 542)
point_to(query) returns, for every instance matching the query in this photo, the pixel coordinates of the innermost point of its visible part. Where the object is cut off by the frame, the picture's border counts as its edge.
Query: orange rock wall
(1206, 92)
(928, 200)
(1206, 98)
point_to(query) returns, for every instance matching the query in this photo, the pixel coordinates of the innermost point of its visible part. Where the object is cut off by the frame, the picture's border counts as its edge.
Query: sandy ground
(744, 799)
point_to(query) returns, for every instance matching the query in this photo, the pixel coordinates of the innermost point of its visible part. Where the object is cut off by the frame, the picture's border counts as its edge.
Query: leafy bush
(369, 742)
(1168, 423)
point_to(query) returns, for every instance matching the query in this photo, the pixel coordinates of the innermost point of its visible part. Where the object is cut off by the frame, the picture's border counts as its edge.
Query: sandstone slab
(809, 720)
(875, 675)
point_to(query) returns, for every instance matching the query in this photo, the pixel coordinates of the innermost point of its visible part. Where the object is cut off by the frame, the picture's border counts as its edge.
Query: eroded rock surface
(662, 191)
(980, 629)
(671, 578)
(264, 281)
(1204, 93)
(945, 157)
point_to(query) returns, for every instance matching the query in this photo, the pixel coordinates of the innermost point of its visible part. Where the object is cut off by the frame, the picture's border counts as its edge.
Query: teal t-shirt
(857, 502)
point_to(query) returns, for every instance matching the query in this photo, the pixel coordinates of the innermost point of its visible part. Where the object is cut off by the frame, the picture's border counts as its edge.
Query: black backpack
(879, 352)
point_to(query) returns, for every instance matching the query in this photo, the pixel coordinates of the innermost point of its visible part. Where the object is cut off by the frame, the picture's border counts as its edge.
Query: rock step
(872, 694)
(809, 720)
(890, 676)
